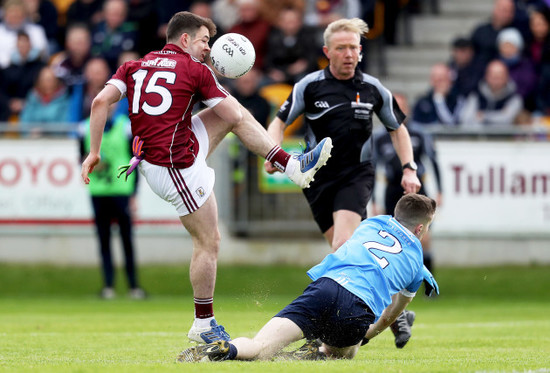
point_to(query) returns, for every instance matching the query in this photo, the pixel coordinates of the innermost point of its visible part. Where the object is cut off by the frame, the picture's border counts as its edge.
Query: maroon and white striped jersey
(162, 89)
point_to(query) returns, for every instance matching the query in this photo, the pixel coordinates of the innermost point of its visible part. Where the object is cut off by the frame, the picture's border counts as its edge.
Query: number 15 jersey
(380, 259)
(162, 89)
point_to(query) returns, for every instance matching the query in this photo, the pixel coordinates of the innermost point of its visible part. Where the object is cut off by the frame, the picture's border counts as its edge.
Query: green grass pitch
(51, 320)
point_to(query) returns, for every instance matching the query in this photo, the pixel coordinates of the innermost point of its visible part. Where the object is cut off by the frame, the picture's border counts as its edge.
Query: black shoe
(215, 351)
(401, 328)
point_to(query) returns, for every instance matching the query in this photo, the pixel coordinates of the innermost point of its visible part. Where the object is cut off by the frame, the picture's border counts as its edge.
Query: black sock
(232, 354)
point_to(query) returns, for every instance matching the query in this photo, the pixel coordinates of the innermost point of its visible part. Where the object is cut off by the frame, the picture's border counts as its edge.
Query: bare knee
(210, 242)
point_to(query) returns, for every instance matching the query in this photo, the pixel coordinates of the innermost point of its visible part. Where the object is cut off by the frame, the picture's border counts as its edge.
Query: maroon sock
(278, 157)
(204, 308)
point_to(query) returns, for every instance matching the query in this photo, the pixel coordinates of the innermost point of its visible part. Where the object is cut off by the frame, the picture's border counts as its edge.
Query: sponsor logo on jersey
(200, 192)
(159, 62)
(358, 104)
(321, 104)
(363, 110)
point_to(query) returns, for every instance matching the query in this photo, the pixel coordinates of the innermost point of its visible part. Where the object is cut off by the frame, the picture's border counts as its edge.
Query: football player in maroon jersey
(162, 89)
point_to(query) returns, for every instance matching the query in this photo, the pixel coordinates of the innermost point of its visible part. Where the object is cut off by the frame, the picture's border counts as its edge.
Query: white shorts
(187, 188)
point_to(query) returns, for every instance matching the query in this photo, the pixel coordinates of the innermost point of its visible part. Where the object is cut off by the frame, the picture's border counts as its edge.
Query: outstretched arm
(402, 144)
(398, 304)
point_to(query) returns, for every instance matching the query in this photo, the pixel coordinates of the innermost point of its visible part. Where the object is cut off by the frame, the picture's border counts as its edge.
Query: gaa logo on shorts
(200, 192)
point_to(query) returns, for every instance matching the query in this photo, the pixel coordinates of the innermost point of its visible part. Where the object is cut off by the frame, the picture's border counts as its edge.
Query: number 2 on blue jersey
(371, 246)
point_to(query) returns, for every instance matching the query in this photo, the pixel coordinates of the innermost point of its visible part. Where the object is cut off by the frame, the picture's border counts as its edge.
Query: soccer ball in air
(232, 55)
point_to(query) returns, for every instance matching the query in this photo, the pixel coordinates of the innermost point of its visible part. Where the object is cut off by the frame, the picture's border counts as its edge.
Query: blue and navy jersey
(380, 259)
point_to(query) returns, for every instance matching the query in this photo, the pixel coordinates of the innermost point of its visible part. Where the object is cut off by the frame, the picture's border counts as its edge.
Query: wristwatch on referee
(410, 165)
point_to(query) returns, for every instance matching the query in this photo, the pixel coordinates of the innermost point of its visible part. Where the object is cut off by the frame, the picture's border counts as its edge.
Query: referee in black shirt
(339, 102)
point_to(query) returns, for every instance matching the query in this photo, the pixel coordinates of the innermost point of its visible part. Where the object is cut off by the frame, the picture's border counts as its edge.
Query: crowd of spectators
(496, 74)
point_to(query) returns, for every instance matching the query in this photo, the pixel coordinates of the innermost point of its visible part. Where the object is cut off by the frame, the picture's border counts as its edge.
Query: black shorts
(328, 311)
(350, 189)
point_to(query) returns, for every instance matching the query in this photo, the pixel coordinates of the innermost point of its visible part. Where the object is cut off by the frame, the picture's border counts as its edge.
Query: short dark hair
(462, 42)
(413, 209)
(23, 34)
(187, 22)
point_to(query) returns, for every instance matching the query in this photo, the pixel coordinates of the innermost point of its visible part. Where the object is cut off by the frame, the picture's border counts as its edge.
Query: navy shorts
(328, 311)
(350, 189)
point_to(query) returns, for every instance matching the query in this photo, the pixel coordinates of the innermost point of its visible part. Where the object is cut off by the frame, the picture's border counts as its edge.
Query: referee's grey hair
(356, 25)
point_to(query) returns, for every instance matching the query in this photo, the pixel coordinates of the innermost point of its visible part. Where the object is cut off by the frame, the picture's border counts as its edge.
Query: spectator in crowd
(485, 35)
(114, 34)
(88, 12)
(495, 101)
(423, 149)
(543, 95)
(273, 8)
(113, 199)
(225, 14)
(290, 54)
(44, 13)
(441, 104)
(246, 91)
(322, 13)
(47, 103)
(19, 77)
(165, 10)
(252, 25)
(319, 14)
(96, 73)
(15, 19)
(466, 71)
(538, 48)
(122, 105)
(202, 8)
(69, 66)
(4, 104)
(143, 14)
(521, 69)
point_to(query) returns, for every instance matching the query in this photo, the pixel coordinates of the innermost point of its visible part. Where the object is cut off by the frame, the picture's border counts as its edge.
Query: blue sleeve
(75, 104)
(415, 284)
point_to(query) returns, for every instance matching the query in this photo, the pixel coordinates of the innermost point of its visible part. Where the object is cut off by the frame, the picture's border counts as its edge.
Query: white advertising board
(40, 181)
(494, 187)
(489, 187)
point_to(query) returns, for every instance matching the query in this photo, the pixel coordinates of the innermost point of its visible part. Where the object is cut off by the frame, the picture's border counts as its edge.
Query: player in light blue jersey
(356, 292)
